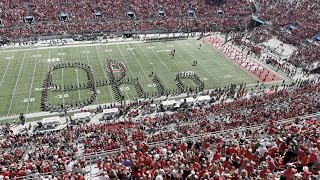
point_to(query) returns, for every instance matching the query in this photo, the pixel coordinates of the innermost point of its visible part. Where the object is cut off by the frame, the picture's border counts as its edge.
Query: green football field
(22, 71)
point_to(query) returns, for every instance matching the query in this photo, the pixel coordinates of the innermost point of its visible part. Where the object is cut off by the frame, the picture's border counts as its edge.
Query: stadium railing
(41, 175)
(160, 39)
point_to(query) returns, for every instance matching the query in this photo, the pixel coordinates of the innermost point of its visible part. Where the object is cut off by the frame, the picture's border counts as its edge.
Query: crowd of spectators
(303, 15)
(306, 55)
(299, 24)
(114, 16)
(58, 151)
(287, 151)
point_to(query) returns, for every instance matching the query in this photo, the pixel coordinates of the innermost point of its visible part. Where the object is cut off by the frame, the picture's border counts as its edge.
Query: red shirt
(206, 145)
(313, 158)
(216, 156)
(249, 169)
(264, 172)
(250, 156)
(226, 163)
(289, 173)
(183, 147)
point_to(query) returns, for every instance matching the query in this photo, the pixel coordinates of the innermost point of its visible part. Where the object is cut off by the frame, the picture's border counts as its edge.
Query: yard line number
(28, 100)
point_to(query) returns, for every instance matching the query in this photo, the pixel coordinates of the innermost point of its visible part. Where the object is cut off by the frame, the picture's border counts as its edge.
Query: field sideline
(22, 71)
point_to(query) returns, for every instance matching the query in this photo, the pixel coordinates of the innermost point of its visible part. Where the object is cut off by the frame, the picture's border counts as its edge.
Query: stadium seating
(244, 137)
(47, 16)
(257, 117)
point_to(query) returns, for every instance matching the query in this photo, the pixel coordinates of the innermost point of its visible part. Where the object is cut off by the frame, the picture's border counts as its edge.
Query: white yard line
(169, 56)
(71, 54)
(78, 84)
(142, 69)
(48, 64)
(223, 63)
(15, 87)
(126, 62)
(203, 67)
(187, 63)
(5, 72)
(192, 67)
(124, 89)
(88, 62)
(62, 76)
(153, 66)
(34, 70)
(236, 63)
(171, 73)
(105, 75)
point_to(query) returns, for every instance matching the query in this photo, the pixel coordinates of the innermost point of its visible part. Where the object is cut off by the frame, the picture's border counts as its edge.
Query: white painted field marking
(164, 50)
(227, 76)
(78, 84)
(152, 85)
(15, 87)
(142, 67)
(28, 100)
(30, 91)
(125, 62)
(51, 60)
(36, 55)
(76, 70)
(163, 63)
(156, 69)
(62, 96)
(9, 57)
(91, 92)
(216, 49)
(124, 88)
(104, 72)
(202, 66)
(5, 72)
(62, 78)
(211, 49)
(85, 52)
(128, 68)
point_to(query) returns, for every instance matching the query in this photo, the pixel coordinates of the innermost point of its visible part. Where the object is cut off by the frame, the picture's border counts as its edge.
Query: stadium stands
(243, 137)
(47, 16)
(57, 150)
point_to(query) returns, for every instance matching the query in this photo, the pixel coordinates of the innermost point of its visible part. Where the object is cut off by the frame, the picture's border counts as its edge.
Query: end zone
(258, 70)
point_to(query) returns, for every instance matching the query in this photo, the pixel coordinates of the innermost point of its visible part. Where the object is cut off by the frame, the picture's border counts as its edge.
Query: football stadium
(160, 89)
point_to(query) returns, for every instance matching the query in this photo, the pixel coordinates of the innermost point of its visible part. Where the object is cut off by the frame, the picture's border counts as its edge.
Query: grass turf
(22, 71)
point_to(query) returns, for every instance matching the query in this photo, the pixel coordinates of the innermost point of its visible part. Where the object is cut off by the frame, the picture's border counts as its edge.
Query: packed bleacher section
(256, 118)
(304, 15)
(289, 150)
(306, 55)
(224, 16)
(47, 16)
(293, 23)
(259, 148)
